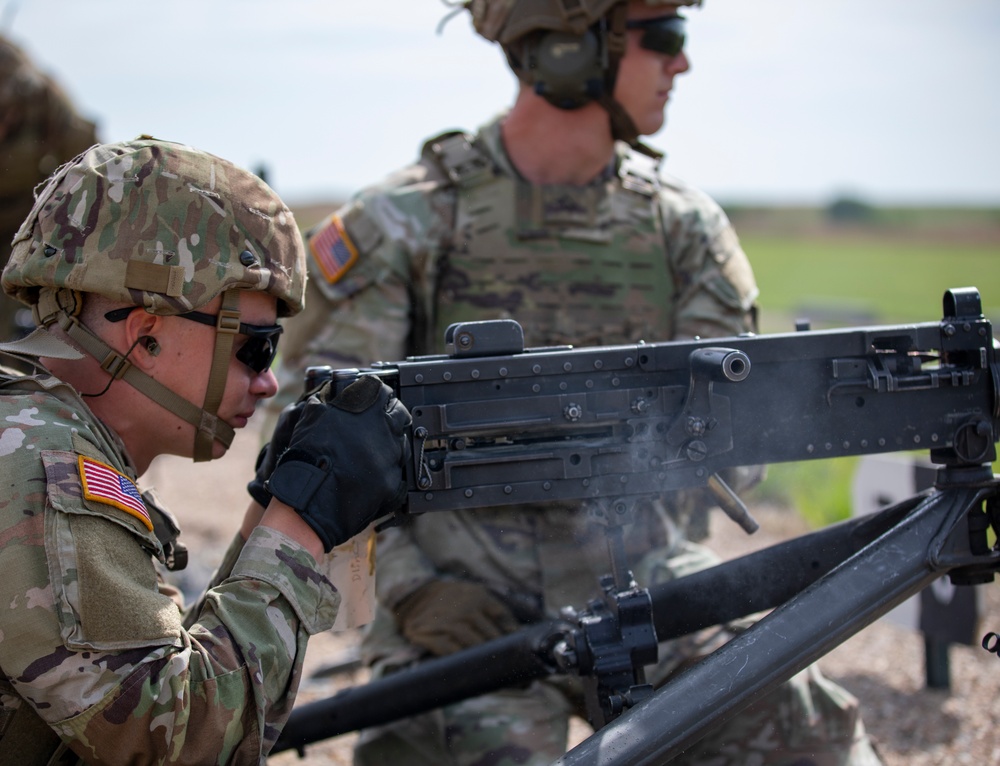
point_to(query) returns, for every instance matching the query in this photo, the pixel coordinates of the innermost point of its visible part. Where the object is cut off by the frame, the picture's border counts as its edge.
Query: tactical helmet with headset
(166, 228)
(569, 50)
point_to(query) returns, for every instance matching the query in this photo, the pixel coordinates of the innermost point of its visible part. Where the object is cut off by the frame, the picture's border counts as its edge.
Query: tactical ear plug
(150, 344)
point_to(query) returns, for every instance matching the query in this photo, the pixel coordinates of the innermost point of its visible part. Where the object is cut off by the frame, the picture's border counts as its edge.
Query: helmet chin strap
(62, 306)
(226, 328)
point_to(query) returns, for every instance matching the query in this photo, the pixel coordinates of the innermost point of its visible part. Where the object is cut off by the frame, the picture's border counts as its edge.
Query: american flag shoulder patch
(332, 249)
(103, 484)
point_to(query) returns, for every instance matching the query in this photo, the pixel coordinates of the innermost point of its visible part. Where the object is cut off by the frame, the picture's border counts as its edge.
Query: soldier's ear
(141, 331)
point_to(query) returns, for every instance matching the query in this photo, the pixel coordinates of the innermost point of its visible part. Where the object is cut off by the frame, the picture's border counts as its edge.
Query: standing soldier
(39, 130)
(156, 274)
(557, 216)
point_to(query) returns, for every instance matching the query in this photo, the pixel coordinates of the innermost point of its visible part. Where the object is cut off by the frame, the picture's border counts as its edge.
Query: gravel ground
(882, 665)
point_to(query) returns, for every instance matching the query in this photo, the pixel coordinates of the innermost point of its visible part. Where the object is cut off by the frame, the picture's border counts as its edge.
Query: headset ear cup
(567, 69)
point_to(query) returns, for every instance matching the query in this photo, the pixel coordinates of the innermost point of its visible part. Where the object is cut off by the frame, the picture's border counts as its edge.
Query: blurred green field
(892, 268)
(840, 282)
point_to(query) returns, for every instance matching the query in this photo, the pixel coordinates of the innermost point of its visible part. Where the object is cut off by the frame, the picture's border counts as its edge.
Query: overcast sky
(787, 100)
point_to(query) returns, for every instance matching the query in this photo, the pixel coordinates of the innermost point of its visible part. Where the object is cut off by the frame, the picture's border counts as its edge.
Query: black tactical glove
(344, 466)
(444, 616)
(270, 452)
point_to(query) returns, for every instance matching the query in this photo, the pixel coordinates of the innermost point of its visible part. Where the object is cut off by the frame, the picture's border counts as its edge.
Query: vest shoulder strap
(456, 154)
(640, 173)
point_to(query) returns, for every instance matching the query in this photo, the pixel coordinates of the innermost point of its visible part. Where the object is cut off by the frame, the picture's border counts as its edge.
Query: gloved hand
(267, 458)
(344, 466)
(444, 616)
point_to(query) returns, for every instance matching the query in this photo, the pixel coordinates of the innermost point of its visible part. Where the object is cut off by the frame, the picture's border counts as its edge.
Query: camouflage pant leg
(516, 727)
(807, 721)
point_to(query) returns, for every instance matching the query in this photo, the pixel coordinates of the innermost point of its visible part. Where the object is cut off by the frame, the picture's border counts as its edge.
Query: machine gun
(497, 424)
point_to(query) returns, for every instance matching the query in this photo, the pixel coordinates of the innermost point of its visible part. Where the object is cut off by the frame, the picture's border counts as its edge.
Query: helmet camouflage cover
(505, 21)
(163, 226)
(160, 225)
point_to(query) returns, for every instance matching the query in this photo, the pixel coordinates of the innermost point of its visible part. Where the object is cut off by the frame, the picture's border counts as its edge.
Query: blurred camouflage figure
(556, 215)
(39, 130)
(156, 273)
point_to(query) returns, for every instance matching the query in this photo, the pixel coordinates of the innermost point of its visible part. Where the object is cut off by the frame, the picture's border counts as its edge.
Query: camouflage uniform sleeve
(90, 642)
(716, 291)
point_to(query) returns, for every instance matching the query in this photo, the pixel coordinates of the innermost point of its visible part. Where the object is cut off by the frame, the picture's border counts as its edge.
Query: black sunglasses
(257, 352)
(662, 34)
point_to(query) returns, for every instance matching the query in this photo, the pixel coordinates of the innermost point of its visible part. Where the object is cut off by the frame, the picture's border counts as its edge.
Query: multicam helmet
(567, 50)
(160, 225)
(165, 227)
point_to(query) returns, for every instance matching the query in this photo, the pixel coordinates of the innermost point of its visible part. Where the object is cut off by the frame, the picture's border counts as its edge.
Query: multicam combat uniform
(632, 255)
(93, 647)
